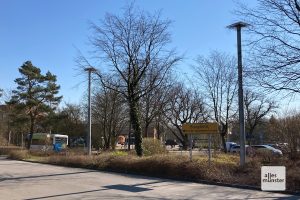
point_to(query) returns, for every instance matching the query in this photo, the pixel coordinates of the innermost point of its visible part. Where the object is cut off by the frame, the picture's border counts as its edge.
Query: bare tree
(109, 112)
(185, 106)
(256, 108)
(218, 79)
(287, 130)
(152, 105)
(135, 47)
(70, 120)
(274, 38)
(272, 134)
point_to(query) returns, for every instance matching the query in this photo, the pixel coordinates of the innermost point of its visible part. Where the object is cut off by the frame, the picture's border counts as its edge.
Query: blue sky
(47, 32)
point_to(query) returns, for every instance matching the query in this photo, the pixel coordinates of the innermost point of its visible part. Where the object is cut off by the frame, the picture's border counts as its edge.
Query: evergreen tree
(36, 94)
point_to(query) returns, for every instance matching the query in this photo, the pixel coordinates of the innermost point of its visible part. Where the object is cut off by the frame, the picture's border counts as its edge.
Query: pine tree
(36, 94)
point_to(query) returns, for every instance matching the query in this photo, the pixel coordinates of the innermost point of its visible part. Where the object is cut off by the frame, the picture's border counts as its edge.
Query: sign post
(191, 146)
(200, 128)
(209, 149)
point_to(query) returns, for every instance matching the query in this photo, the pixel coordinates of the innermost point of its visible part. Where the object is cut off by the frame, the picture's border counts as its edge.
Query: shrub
(3, 141)
(293, 178)
(19, 154)
(265, 155)
(153, 146)
(226, 158)
(5, 150)
(77, 151)
(71, 161)
(119, 153)
(41, 153)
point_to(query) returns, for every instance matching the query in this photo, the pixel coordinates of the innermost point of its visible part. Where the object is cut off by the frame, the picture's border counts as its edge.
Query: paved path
(24, 180)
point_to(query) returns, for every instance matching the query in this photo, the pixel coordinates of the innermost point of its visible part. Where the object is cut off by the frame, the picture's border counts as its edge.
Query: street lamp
(89, 70)
(238, 26)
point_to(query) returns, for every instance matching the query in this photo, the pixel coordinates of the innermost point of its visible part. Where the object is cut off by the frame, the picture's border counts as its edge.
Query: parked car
(236, 149)
(273, 145)
(171, 142)
(267, 148)
(283, 147)
(229, 145)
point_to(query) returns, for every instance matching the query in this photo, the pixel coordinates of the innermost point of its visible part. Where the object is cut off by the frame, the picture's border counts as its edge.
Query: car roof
(239, 146)
(264, 145)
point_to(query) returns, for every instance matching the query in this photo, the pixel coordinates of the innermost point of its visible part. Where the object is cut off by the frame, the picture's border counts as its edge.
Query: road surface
(24, 180)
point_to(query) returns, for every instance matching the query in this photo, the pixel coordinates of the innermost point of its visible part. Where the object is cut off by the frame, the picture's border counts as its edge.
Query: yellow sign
(200, 128)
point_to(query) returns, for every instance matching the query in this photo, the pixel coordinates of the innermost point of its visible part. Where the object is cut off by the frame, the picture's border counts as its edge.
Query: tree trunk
(146, 129)
(134, 118)
(249, 139)
(250, 135)
(32, 121)
(186, 145)
(106, 143)
(158, 130)
(223, 134)
(113, 140)
(185, 142)
(129, 135)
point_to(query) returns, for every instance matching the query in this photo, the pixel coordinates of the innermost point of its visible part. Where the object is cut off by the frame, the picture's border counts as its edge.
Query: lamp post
(89, 141)
(238, 26)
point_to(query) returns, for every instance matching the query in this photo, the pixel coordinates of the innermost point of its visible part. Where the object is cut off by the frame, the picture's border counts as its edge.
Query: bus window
(40, 141)
(60, 140)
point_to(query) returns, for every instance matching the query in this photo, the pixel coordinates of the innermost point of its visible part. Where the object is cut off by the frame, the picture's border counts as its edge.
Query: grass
(5, 150)
(224, 168)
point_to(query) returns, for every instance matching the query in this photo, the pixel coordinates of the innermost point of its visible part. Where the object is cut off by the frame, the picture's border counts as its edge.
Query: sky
(49, 32)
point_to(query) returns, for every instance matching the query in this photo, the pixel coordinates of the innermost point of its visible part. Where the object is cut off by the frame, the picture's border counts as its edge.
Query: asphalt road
(24, 180)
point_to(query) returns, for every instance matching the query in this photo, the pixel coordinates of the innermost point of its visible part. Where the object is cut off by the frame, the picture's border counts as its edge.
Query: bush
(19, 154)
(77, 151)
(5, 150)
(153, 146)
(221, 157)
(293, 178)
(119, 153)
(265, 155)
(71, 161)
(3, 141)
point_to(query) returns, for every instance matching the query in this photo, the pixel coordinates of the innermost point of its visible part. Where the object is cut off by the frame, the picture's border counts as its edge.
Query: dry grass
(224, 168)
(153, 146)
(19, 154)
(5, 150)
